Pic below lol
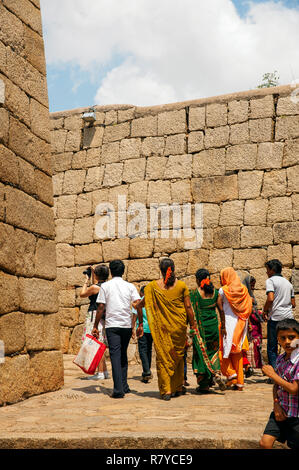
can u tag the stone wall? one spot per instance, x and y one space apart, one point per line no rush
29 323
237 154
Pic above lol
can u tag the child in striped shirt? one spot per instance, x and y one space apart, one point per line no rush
283 424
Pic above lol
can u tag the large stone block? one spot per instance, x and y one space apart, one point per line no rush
12 31
64 230
74 181
7 248
197 118
52 331
280 210
34 332
130 148
66 206
76 339
65 255
138 192
209 163
116 132
145 126
287 127
62 161
40 122
261 130
197 259
46 371
125 115
83 230
296 255
118 197
256 212
195 141
14 379
24 247
17 101
113 174
239 133
172 122
220 259
165 245
117 249
45 259
88 254
256 236
232 213
93 137
293 179
84 205
25 212
295 204
27 179
275 183
283 252
12 332
134 170
181 263
181 192
98 197
65 334
73 122
44 187
237 111
153 146
79 160
67 297
249 258
69 316
38 295
226 237
178 166
241 157
286 106
262 107
286 232
269 155
143 270
215 189
250 184
94 178
216 114
110 152
211 214
4 129
217 137
93 157
159 192
141 248
175 144
155 168
260 276
291 153
27 13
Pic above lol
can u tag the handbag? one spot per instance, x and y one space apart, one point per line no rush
90 354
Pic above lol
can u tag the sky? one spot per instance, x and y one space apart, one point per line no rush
150 52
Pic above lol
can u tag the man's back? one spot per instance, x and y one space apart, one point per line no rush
118 295
283 291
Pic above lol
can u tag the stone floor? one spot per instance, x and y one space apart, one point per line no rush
82 415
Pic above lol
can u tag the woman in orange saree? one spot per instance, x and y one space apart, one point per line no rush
168 308
237 307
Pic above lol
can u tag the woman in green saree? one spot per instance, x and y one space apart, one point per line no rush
205 361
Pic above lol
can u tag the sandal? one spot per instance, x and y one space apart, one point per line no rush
166 397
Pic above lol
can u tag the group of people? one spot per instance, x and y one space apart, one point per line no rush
222 348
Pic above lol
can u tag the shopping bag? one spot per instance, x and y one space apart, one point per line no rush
90 354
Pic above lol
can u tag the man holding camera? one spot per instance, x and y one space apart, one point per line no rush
115 298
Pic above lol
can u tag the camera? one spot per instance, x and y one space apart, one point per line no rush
87 271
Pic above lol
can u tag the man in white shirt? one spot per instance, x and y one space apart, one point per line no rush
279 305
115 298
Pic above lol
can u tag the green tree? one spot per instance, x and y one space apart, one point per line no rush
269 79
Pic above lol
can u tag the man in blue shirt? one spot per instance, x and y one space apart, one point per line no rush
144 343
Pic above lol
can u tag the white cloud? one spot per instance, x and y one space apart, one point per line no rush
171 50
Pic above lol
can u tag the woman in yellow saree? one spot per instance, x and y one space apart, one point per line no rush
168 309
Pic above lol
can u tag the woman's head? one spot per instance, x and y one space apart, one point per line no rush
101 272
167 270
227 276
203 281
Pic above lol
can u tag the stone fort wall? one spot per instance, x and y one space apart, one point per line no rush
236 154
29 322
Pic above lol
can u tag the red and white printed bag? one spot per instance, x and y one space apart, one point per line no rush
90 354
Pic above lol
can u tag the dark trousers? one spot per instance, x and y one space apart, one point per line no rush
272 344
145 344
185 364
118 342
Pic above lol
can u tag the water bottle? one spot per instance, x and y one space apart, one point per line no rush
2 359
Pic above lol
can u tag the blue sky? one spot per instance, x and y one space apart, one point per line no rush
148 52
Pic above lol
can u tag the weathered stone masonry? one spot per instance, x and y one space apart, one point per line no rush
237 154
29 323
